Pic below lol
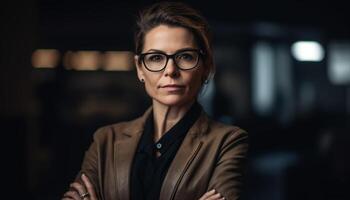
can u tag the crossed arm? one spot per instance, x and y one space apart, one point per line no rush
86 191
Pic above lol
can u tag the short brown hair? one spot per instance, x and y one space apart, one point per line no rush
176 14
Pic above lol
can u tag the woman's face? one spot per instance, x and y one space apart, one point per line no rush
171 86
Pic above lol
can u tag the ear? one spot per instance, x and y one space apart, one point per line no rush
139 69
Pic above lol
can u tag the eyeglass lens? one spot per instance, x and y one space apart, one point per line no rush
184 60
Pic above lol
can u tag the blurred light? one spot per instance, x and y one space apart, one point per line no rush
45 58
118 61
308 51
339 63
82 60
263 77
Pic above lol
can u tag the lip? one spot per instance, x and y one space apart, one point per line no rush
172 87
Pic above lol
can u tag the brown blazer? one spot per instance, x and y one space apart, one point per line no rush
211 156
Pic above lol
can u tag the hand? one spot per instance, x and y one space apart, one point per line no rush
212 195
80 190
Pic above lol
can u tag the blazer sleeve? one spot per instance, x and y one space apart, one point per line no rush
227 176
91 165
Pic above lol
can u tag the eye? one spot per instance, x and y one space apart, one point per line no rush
155 58
186 56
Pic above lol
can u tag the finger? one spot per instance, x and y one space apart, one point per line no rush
89 186
72 195
214 197
79 187
208 194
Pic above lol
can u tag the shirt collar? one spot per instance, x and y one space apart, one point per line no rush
177 132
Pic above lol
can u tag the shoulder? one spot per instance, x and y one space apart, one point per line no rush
223 127
227 141
225 132
116 130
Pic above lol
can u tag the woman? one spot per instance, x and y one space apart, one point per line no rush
174 151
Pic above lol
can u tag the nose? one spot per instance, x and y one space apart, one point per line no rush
171 69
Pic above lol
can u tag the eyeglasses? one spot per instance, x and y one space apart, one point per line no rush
184 59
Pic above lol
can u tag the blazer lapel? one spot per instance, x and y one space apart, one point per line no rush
125 148
183 159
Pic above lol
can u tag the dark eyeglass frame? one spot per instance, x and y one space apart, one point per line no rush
172 56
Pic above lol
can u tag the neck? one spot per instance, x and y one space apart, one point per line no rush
165 117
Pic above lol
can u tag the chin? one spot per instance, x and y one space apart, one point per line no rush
173 100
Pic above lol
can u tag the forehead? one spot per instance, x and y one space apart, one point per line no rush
168 39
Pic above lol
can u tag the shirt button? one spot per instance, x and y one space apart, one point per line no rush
159 145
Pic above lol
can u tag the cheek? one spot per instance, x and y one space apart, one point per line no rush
195 82
151 83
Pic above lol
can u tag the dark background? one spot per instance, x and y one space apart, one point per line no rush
298 144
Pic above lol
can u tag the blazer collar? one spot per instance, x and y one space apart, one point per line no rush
136 126
126 146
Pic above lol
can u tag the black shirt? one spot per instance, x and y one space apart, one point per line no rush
148 170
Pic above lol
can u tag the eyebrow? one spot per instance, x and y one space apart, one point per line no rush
160 51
